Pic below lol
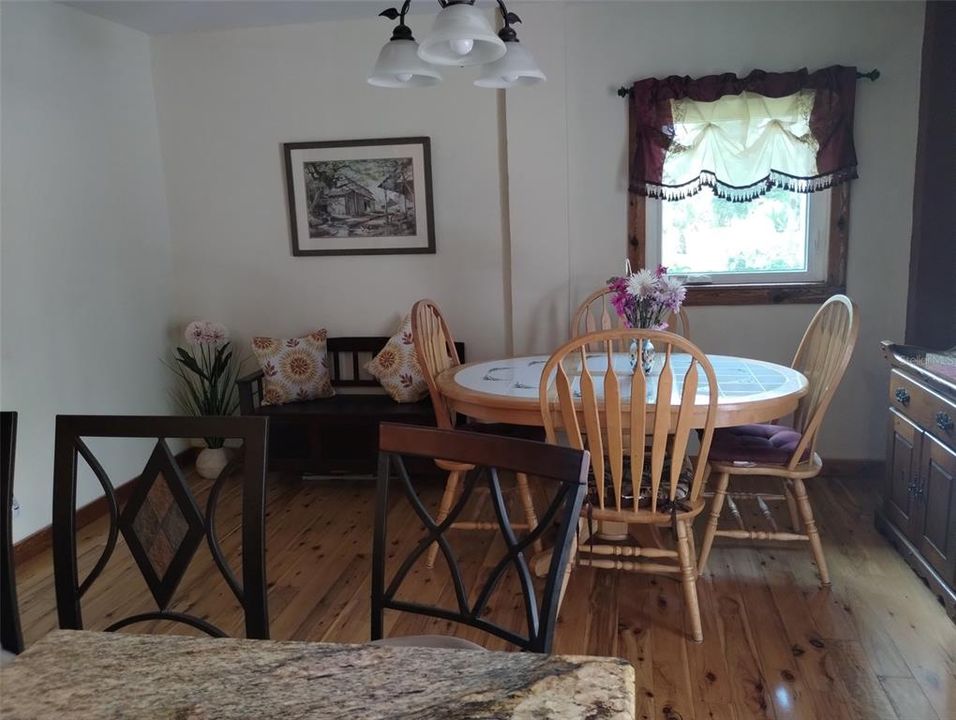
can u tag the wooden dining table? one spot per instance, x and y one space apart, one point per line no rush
506 391
81 674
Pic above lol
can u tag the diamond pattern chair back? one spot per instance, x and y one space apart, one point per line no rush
162 522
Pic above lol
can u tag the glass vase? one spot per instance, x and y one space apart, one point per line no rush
647 355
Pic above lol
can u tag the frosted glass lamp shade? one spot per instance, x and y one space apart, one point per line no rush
517 67
461 36
398 66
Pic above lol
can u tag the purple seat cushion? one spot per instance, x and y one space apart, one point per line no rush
761 444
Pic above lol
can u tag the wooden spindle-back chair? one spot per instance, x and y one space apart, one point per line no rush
436 353
822 356
597 313
638 439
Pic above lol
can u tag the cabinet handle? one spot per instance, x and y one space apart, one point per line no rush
902 396
944 422
916 489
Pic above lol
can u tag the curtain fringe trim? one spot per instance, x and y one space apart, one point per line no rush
746 193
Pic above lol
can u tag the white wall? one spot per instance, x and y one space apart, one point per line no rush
227 101
84 285
569 233
96 276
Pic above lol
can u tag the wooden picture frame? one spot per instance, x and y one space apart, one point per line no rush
360 197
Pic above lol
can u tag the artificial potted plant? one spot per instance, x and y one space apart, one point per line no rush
207 370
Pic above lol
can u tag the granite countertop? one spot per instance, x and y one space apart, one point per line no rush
80 674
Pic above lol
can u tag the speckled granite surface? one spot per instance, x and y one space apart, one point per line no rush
110 675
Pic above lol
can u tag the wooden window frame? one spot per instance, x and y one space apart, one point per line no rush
758 293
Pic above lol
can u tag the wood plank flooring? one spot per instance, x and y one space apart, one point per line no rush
876 645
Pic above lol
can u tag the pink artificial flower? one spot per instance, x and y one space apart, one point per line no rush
195 332
215 334
661 271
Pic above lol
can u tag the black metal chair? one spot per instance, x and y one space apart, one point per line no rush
11 639
161 522
563 469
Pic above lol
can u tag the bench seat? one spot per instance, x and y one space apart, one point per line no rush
336 435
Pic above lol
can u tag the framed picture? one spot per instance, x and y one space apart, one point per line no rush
360 197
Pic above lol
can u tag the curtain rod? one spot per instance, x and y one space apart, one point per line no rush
624 90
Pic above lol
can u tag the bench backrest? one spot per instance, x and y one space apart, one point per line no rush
349 355
347 359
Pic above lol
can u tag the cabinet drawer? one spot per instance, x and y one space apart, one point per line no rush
931 411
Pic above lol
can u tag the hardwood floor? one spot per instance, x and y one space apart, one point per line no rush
875 645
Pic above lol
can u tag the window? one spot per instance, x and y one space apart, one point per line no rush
781 237
778 147
785 247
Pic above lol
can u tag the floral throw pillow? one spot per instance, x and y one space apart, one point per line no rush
397 369
294 369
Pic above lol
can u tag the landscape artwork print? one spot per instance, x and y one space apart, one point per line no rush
360 197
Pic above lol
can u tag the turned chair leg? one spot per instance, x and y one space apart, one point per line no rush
792 505
720 494
692 544
688 579
806 513
451 487
524 493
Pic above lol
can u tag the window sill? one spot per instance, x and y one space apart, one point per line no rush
761 293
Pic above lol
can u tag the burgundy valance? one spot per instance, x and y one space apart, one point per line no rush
742 136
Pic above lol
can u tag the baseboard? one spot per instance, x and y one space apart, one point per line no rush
42 540
852 468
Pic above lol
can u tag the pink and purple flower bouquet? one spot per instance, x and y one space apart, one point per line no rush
646 299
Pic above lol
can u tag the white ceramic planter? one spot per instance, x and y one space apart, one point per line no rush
211 461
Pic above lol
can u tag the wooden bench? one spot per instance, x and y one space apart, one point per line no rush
336 435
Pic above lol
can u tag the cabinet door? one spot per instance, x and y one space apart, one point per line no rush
937 495
901 463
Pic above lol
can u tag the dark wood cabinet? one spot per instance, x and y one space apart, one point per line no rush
935 528
902 458
918 513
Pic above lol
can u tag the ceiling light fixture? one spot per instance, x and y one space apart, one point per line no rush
516 66
398 64
461 36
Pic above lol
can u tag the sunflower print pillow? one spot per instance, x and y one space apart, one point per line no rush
295 369
396 367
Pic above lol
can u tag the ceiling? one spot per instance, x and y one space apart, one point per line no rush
170 16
